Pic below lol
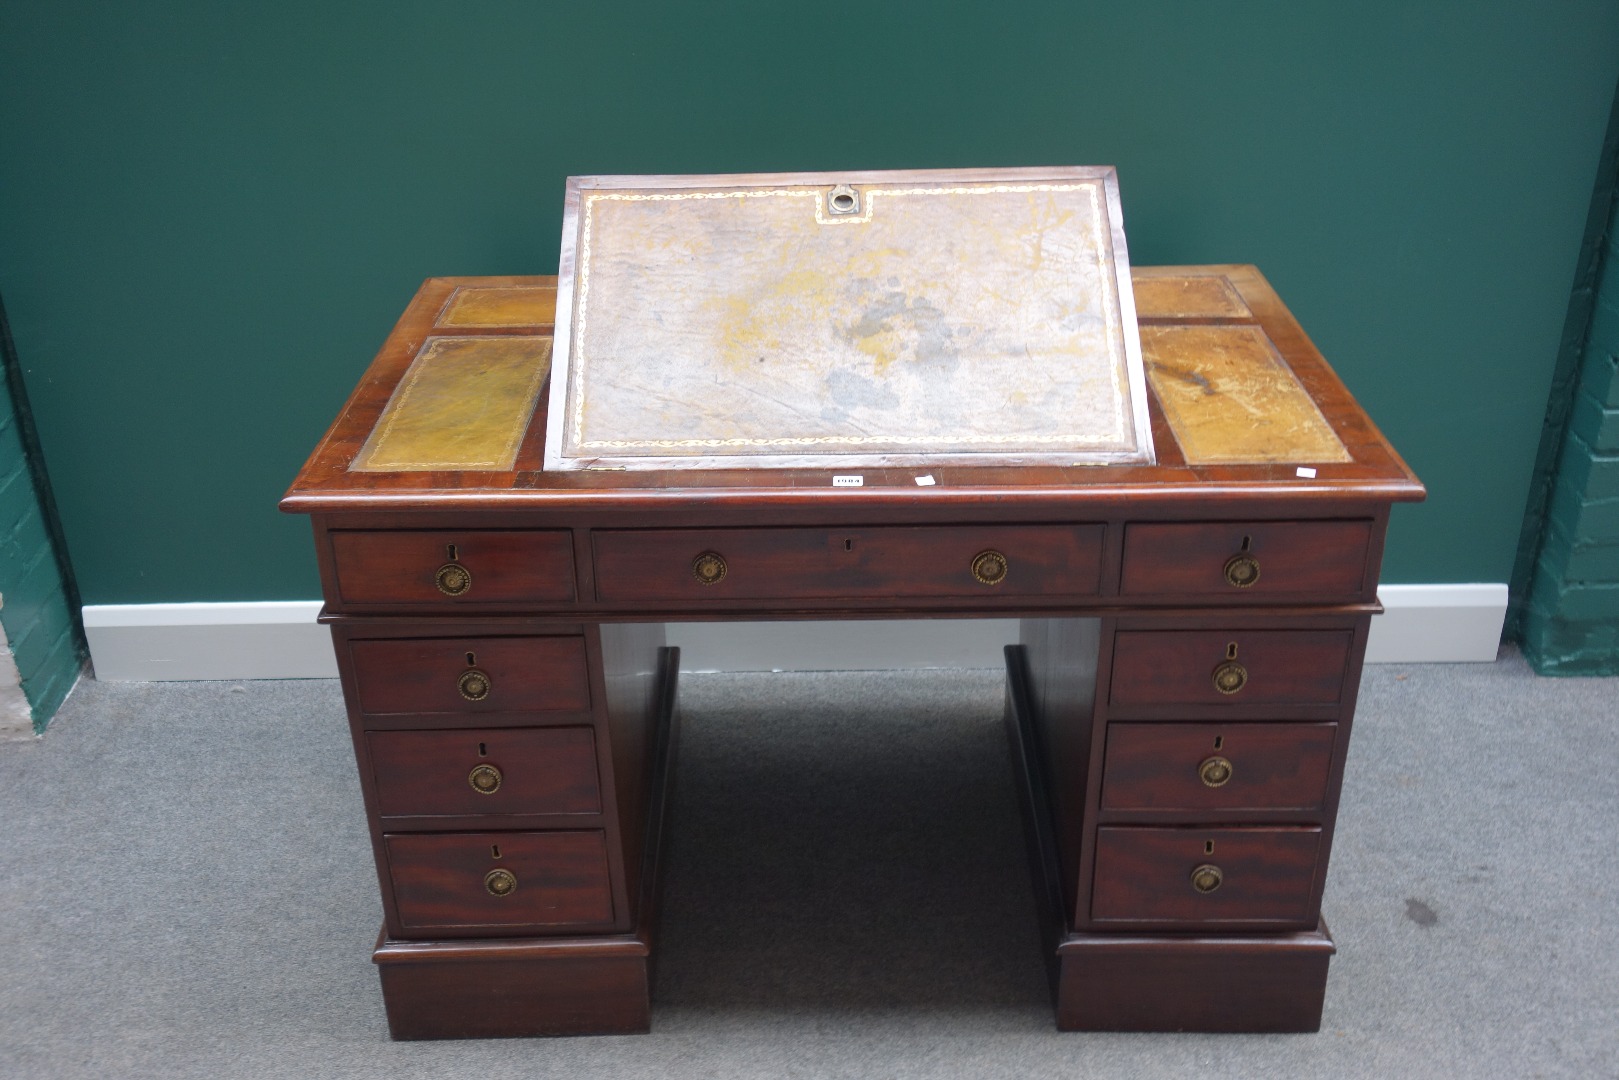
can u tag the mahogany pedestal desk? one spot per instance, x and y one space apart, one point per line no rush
1179 704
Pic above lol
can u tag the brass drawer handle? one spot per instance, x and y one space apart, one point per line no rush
1205 879
709 567
485 779
453 579
1241 571
989 567
473 684
1214 772
1230 677
500 882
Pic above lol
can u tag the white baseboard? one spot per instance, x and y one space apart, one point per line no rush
1438 624
1424 624
276 639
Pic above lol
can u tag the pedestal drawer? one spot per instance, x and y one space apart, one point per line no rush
1217 766
1245 875
443 882
1246 560
1229 667
511 771
462 567
470 675
968 561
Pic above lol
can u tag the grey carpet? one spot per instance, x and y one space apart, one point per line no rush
187 892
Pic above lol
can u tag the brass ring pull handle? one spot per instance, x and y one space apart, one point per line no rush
453 579
1205 879
1214 772
485 779
1230 677
473 684
500 882
1241 571
709 568
989 567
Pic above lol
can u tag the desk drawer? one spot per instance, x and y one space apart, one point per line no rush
1246 560
1202 767
1251 874
470 675
453 568
443 882
1230 667
485 771
969 561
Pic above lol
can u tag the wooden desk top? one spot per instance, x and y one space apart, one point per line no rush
1240 401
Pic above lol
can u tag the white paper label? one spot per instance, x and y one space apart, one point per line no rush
924 481
848 481
1307 472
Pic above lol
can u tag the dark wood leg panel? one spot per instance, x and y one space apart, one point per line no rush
1275 982
514 987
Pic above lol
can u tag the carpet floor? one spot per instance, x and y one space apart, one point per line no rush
186 890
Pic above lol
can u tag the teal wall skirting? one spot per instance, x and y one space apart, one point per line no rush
210 214
38 607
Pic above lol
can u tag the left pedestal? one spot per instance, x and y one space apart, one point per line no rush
516 778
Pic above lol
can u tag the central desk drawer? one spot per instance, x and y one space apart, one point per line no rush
470 675
446 881
969 561
485 771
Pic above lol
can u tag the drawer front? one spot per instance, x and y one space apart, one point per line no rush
1229 667
448 881
1257 875
440 675
862 564
1246 560
493 771
453 568
1217 766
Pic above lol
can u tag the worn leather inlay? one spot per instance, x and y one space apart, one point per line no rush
464 403
1189 298
473 307
1230 398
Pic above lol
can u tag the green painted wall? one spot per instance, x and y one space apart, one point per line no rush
211 213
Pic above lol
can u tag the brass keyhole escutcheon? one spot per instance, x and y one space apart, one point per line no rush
453 579
473 684
485 779
1230 677
1214 772
1207 878
500 882
1241 571
989 567
709 568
